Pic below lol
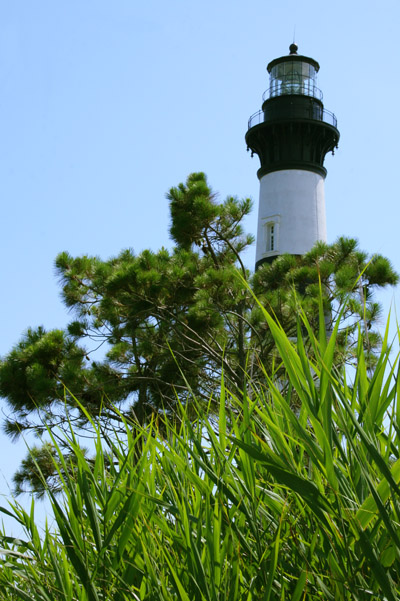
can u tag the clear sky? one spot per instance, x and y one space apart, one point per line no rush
105 105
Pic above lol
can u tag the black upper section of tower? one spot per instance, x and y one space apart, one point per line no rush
292 130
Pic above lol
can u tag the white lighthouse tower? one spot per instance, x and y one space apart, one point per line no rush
291 135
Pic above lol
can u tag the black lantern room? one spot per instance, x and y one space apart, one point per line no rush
292 130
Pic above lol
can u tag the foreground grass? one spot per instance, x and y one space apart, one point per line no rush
264 502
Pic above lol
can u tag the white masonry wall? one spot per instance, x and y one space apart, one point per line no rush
291 214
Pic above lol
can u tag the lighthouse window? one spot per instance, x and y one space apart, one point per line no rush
271 236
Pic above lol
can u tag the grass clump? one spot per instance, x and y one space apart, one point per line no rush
291 492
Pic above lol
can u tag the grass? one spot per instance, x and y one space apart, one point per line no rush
263 502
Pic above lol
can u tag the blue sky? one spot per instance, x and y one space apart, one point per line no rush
105 105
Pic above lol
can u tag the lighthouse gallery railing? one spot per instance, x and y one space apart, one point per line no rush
299 113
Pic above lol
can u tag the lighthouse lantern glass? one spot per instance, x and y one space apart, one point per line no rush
293 77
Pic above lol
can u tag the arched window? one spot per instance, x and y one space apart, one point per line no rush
271 225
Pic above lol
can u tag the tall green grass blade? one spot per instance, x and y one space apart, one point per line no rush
222 414
181 593
274 554
368 509
300 587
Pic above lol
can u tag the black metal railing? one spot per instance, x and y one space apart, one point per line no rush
314 114
290 88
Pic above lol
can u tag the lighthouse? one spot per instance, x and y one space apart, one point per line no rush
291 134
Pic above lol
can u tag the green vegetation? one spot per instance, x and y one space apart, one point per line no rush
259 502
169 322
246 426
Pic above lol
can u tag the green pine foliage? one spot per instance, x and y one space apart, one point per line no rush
151 330
257 502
